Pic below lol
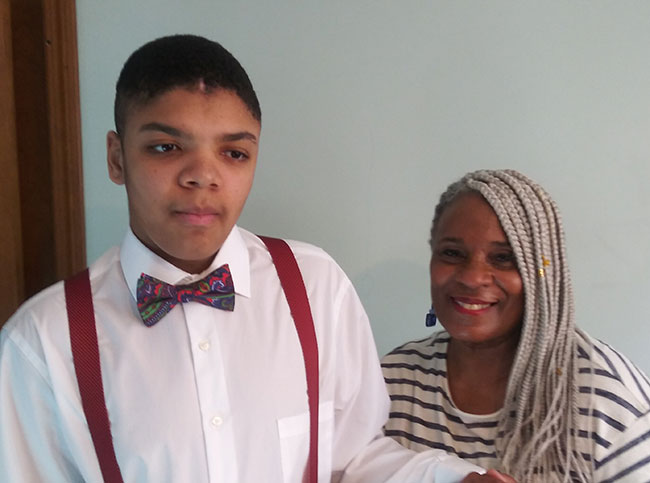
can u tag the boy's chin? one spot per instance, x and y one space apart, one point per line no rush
191 260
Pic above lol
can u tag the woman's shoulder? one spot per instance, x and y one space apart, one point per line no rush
420 364
616 382
434 346
614 411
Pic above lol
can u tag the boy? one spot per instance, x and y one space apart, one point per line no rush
195 393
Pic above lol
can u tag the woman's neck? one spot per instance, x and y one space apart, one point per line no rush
477 374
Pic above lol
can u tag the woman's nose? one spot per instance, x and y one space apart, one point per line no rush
474 273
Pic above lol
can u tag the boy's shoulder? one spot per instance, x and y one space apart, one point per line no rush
309 257
299 248
47 307
320 272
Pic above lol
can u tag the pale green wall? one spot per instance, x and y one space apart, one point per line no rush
370 108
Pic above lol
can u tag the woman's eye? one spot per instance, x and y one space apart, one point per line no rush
450 253
505 259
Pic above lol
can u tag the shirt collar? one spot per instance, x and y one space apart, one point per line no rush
137 259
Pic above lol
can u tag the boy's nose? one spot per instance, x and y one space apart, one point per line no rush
201 171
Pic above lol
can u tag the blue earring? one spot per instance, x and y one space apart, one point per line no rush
430 319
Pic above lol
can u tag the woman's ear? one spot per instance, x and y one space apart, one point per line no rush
115 157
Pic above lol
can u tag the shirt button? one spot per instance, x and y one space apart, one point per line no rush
204 345
216 421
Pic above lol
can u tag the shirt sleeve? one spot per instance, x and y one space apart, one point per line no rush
627 459
31 444
361 453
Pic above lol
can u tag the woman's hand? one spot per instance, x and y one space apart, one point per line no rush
491 476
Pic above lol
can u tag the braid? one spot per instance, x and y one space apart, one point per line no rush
534 435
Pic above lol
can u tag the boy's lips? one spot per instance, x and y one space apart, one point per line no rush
197 216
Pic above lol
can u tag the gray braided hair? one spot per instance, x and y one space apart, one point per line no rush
535 431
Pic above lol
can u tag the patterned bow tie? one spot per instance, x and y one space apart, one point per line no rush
156 298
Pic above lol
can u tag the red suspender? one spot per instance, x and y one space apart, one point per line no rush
294 289
85 354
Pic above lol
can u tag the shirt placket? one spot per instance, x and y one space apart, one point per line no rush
212 392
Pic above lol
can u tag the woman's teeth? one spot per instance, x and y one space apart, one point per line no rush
472 306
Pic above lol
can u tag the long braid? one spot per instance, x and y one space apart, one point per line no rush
534 435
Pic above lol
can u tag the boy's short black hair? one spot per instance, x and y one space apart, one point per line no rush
180 61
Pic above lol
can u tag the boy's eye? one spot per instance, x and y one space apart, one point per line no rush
163 148
236 155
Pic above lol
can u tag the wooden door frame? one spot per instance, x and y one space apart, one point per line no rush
38 57
11 257
62 66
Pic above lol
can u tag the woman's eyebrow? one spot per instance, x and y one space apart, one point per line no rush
451 239
501 244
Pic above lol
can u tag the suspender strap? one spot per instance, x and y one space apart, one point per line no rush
85 354
294 289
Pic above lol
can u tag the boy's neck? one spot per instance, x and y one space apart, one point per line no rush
193 267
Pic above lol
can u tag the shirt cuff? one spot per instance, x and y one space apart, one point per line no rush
451 469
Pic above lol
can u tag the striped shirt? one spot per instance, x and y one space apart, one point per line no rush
615 435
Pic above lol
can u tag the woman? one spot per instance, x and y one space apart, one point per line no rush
511 382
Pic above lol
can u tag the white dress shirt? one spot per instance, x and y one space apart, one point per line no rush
205 395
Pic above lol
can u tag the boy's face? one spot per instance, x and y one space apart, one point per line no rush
187 159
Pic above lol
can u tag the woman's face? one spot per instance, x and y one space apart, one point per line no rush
476 289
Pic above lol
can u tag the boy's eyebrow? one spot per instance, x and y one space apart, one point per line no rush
238 136
172 131
156 126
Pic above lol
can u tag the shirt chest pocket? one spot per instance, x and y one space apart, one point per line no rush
294 443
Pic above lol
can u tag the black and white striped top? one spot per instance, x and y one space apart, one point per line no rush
616 436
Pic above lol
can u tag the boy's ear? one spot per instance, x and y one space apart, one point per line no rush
115 157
